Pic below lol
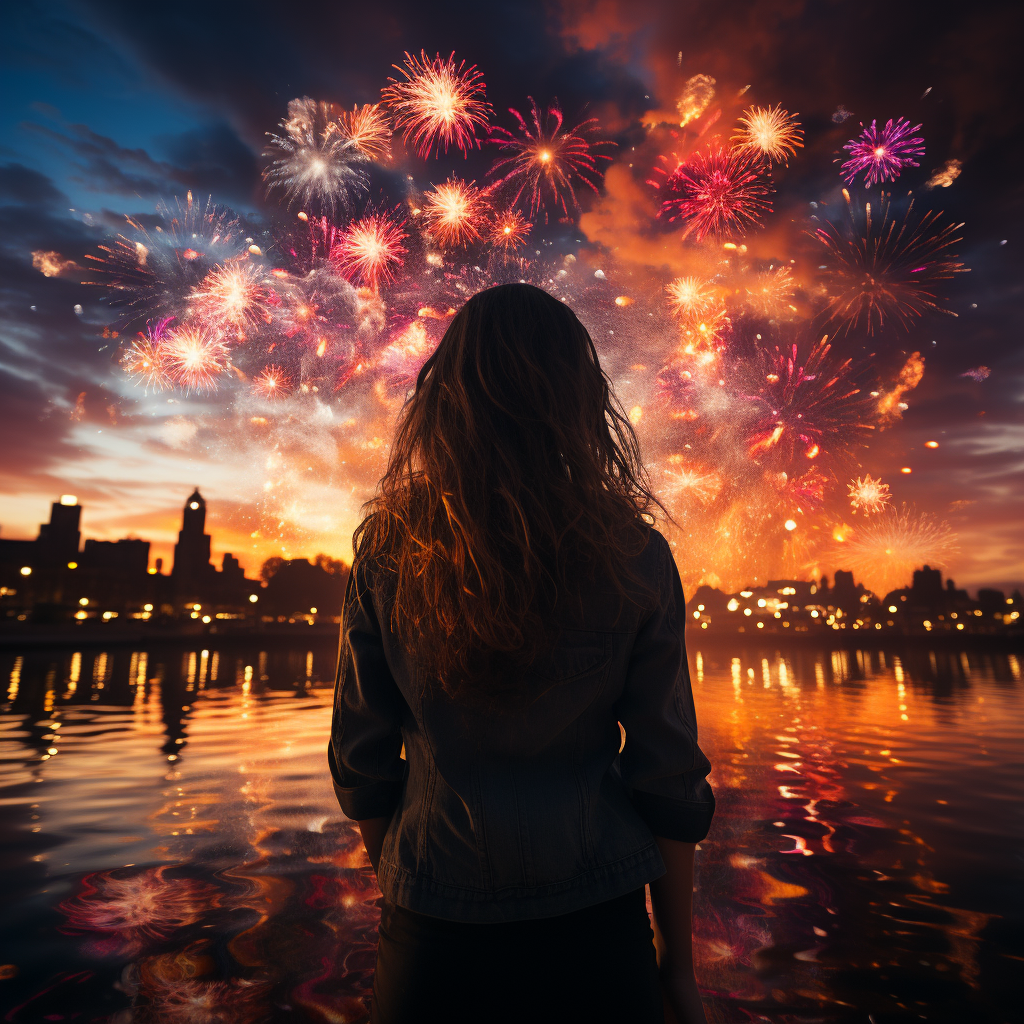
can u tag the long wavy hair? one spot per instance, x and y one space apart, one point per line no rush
513 476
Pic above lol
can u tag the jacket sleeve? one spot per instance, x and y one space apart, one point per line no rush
663 768
366 736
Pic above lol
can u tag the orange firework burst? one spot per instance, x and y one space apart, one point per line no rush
771 293
438 103
509 231
885 551
868 494
272 382
370 250
233 294
194 357
706 329
689 296
769 132
454 212
367 128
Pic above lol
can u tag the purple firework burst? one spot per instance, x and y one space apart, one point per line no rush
881 153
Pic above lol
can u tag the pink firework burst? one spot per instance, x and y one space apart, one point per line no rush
717 192
144 358
881 153
370 250
546 162
195 357
438 103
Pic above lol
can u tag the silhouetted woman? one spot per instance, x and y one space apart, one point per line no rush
509 605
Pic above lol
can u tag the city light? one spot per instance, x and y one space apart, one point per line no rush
26 570
253 598
193 505
68 499
83 601
147 607
72 565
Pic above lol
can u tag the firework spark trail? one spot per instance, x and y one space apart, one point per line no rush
716 192
885 267
771 293
882 153
437 103
315 160
546 163
144 360
370 250
689 296
455 211
769 132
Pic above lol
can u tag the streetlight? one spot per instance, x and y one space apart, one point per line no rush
26 570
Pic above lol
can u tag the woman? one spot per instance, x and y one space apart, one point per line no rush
509 605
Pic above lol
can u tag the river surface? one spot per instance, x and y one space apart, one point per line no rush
172 850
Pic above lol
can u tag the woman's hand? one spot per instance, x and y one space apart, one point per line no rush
373 831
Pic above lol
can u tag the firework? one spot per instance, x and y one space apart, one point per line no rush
143 360
368 129
544 163
805 404
271 382
771 293
868 494
232 295
945 175
438 103
683 483
884 552
977 374
314 159
881 153
370 250
143 908
690 296
150 271
50 263
890 403
886 267
509 231
454 213
697 93
706 329
716 192
769 132
194 357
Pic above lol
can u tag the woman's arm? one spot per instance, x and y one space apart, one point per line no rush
373 831
672 900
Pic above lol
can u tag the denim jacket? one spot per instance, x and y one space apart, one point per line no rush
500 817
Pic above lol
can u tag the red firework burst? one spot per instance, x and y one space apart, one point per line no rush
370 250
716 192
438 103
545 162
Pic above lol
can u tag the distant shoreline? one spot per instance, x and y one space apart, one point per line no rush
287 634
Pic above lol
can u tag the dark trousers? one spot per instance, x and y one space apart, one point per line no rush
596 965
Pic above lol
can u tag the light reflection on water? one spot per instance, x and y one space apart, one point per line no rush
173 850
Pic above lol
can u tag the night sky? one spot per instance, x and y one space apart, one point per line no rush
111 107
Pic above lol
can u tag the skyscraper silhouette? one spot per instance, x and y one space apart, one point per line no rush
192 570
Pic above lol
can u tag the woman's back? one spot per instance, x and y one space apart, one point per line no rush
526 812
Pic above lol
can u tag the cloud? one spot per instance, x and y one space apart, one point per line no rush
28 187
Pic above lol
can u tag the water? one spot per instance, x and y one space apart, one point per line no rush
172 850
